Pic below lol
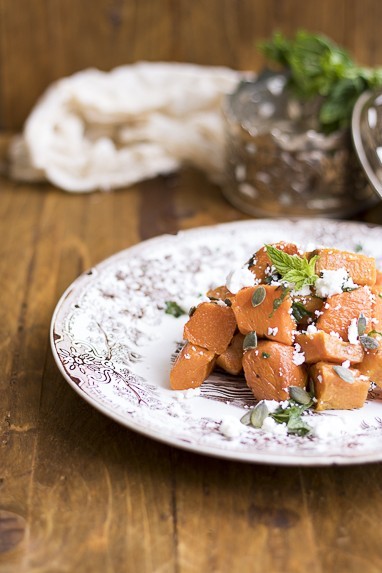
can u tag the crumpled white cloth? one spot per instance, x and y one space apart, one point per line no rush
103 130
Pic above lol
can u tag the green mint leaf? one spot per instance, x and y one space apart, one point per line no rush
299 311
278 301
292 268
174 309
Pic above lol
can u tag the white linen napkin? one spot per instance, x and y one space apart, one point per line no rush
103 130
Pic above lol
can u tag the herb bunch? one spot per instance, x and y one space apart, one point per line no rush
319 67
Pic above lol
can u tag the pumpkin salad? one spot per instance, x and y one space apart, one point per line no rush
304 327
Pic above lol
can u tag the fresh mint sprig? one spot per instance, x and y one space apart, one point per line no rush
319 67
292 268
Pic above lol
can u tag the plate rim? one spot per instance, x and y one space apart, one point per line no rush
203 449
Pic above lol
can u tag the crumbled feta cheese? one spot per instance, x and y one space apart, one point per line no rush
346 364
304 291
271 405
220 302
335 334
269 425
272 331
240 278
333 282
231 427
298 357
327 427
187 356
353 331
187 394
311 329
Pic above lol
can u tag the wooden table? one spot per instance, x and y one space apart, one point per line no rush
79 493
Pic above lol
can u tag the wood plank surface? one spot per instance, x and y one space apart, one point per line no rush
80 493
43 40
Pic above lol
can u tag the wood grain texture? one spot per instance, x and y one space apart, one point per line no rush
77 491
84 494
43 40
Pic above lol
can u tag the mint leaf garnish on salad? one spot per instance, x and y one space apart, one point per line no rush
174 309
292 268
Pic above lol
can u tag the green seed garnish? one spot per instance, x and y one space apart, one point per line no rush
250 341
258 296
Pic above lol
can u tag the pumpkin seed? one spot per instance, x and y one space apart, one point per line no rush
299 395
344 373
258 414
368 342
250 341
258 296
246 419
361 325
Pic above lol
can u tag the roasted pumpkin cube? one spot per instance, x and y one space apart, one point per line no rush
211 326
322 347
231 359
332 392
312 304
220 293
269 370
341 309
270 319
371 365
361 268
192 366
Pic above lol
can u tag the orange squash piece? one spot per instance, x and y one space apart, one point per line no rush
361 268
231 359
341 309
192 366
371 365
276 325
269 370
378 280
333 393
261 261
220 292
211 326
322 347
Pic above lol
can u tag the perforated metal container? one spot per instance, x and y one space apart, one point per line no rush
279 164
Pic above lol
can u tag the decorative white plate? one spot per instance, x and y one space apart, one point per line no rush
114 344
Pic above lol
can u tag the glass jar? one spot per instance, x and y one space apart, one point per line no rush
278 163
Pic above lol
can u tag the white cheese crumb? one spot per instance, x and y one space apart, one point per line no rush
335 334
269 425
327 427
187 394
240 278
298 357
333 282
304 291
272 331
319 378
271 405
187 356
231 427
353 331
312 328
346 364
